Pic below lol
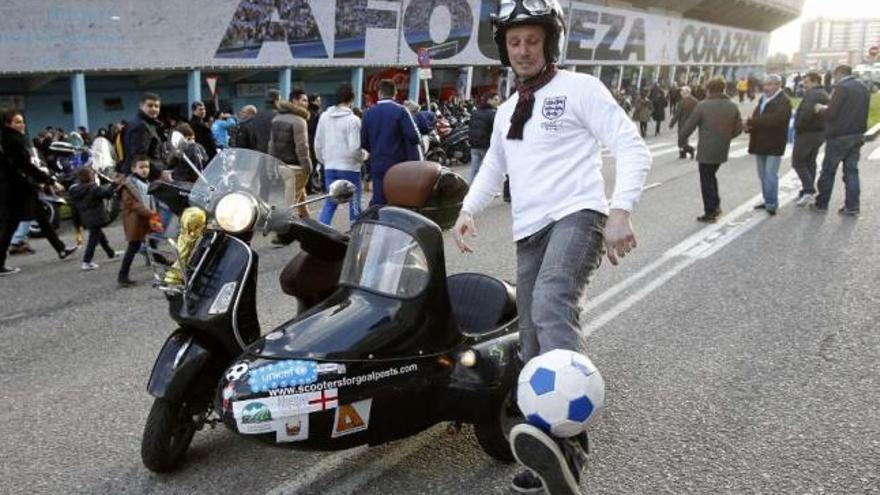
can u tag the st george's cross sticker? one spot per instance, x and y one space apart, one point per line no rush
352 418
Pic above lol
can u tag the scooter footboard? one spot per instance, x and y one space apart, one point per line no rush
178 365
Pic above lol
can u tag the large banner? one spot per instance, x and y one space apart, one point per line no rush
49 35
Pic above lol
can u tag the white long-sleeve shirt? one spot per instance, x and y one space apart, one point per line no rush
338 139
556 169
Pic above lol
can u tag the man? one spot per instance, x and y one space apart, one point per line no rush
145 136
480 129
338 147
846 120
244 138
260 129
221 128
548 138
204 136
768 132
809 129
719 122
389 135
289 142
314 108
682 113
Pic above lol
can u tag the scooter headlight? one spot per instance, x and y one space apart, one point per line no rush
236 212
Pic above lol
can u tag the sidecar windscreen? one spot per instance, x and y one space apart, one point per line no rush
385 260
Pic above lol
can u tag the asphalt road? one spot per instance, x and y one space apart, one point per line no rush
739 358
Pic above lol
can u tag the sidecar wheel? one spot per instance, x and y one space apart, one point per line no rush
493 435
167 435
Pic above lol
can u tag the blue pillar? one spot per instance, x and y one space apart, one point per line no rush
414 84
357 84
193 89
78 97
284 78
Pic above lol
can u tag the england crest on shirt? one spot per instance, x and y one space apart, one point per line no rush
554 107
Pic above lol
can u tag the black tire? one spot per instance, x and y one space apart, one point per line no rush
167 435
436 155
54 214
493 435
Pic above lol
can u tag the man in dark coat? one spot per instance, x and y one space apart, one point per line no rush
390 135
719 121
20 180
204 136
314 108
846 121
809 135
145 136
658 99
682 112
255 136
768 133
480 129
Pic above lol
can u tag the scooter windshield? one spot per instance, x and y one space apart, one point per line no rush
234 170
385 260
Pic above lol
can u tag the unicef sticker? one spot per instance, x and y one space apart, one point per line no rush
282 374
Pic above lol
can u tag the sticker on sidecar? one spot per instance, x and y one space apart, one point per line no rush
295 429
348 381
250 413
283 374
255 417
352 418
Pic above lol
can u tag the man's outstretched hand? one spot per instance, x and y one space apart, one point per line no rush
463 227
619 236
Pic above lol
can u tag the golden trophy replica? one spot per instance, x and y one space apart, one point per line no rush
192 224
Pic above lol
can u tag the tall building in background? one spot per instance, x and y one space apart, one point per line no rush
826 43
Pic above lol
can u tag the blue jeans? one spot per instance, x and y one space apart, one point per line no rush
477 157
553 267
768 173
354 207
841 149
21 233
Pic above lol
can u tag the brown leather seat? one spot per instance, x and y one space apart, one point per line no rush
410 184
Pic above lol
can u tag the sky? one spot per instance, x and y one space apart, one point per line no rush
787 39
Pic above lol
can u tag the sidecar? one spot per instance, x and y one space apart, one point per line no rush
396 349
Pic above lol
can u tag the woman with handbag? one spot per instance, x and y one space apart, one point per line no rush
138 218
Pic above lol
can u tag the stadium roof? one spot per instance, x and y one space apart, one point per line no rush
759 15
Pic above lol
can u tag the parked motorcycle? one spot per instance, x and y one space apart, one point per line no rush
385 350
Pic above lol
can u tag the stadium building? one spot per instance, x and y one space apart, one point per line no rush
69 64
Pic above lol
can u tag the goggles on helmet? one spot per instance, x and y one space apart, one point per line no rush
509 9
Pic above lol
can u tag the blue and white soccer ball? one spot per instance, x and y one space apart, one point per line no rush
561 392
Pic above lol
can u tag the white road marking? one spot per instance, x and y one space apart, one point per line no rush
700 245
652 186
875 155
739 153
307 477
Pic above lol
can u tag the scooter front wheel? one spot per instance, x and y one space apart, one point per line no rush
167 435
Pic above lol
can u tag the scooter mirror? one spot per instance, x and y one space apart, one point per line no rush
62 147
177 140
341 191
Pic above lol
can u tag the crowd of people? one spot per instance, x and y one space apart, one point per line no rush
360 148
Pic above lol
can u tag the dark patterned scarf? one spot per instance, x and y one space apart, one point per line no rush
524 106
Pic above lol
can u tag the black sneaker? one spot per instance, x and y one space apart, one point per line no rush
64 253
707 218
848 212
771 212
818 207
527 482
541 454
761 206
126 282
8 270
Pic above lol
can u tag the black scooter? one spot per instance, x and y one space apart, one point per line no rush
385 345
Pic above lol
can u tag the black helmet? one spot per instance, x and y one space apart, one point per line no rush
546 13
